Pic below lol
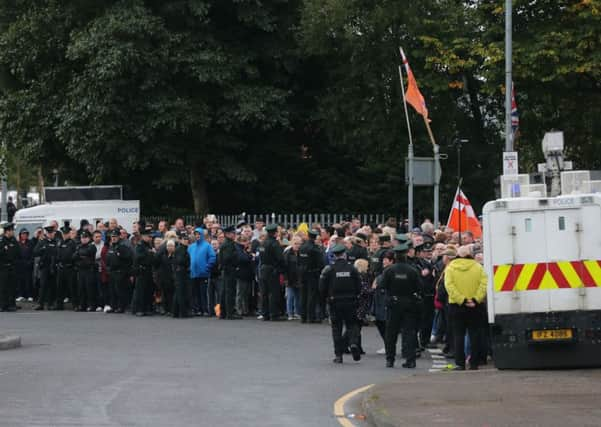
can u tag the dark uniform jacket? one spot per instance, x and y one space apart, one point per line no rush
228 256
10 253
428 282
340 282
119 258
401 282
273 255
46 250
65 251
311 257
143 258
355 253
85 256
375 261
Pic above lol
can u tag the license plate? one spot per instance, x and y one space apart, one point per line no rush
552 334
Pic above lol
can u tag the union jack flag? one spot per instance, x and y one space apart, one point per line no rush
515 117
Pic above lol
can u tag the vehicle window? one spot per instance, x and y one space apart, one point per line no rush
562 223
528 225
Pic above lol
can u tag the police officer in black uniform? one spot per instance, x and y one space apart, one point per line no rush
357 250
272 264
228 260
46 250
375 261
65 271
401 282
428 282
119 260
181 273
340 284
312 261
144 287
9 256
85 261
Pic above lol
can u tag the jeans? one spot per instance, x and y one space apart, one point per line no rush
200 294
293 301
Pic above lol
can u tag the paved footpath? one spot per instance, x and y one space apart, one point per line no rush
93 369
487 398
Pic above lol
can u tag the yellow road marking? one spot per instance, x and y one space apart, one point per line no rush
339 405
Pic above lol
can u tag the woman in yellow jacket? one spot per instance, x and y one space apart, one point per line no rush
465 282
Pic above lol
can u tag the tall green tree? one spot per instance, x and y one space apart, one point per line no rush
182 91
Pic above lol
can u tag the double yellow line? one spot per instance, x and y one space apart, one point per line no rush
339 405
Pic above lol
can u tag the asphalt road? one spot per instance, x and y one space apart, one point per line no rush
93 369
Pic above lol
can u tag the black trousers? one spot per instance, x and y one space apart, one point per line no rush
450 337
142 301
468 320
119 283
65 276
213 294
87 288
309 296
270 292
167 294
427 319
402 316
343 315
229 293
8 285
47 286
179 306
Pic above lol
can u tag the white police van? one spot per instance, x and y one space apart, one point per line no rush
542 254
126 212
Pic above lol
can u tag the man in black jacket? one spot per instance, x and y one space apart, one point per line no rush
25 266
228 260
181 267
312 261
143 261
9 256
85 261
340 284
46 250
402 284
272 264
119 260
65 279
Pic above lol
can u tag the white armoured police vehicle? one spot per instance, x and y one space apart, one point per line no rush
72 204
543 260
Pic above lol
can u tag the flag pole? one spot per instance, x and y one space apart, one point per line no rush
436 151
409 156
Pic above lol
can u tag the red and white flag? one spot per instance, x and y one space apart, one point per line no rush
467 219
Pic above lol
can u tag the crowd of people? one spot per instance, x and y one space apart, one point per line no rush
425 283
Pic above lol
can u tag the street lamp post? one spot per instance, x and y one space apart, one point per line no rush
458 144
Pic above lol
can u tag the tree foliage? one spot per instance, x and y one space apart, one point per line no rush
289 104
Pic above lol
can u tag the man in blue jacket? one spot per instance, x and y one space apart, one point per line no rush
202 259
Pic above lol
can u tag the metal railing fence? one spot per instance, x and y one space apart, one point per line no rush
285 220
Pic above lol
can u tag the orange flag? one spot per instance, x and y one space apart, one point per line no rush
413 96
469 220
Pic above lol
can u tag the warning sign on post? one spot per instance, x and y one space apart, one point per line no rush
510 163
